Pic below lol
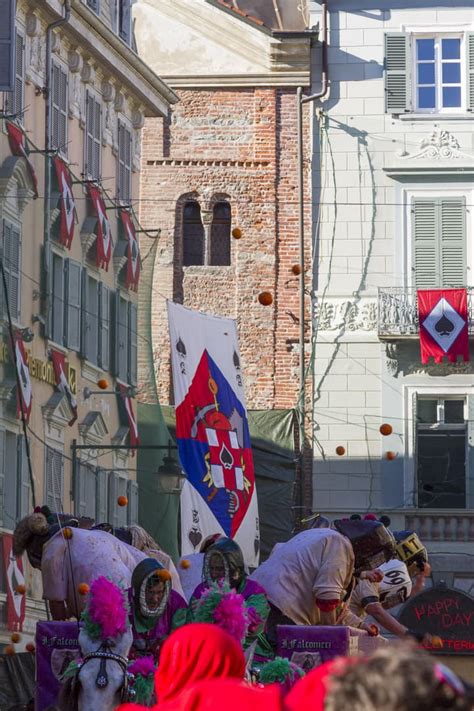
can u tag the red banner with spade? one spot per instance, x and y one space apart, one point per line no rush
67 205
13 567
104 235
19 147
443 322
133 252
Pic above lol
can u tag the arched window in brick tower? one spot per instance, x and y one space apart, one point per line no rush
219 252
193 235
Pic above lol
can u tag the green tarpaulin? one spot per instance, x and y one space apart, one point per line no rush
272 436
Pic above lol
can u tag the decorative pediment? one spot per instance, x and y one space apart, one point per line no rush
88 234
439 152
93 428
120 255
15 184
57 413
120 437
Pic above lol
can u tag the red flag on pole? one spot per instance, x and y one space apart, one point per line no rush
133 252
66 203
25 392
16 602
59 367
127 404
19 147
443 322
104 235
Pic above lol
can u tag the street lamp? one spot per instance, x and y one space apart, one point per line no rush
171 476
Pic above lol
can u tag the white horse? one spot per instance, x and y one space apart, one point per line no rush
101 682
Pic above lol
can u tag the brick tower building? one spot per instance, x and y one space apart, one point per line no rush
226 158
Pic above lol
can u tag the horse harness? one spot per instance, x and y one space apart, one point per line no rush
105 654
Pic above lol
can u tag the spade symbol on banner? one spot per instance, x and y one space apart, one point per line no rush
226 457
256 546
444 326
236 361
181 348
195 537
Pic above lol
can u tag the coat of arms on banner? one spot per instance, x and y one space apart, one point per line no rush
214 442
219 494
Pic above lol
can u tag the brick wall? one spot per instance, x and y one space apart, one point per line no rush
240 144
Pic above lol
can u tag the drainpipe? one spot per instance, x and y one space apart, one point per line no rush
300 100
47 147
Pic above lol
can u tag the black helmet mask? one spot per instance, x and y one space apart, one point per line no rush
371 542
224 561
144 577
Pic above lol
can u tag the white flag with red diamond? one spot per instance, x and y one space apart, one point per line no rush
443 323
212 432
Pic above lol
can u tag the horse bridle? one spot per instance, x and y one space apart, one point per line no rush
105 655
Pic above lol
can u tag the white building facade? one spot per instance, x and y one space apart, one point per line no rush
393 192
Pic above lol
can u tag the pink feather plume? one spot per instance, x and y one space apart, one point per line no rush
143 666
230 614
108 608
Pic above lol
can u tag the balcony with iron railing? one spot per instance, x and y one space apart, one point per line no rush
398 312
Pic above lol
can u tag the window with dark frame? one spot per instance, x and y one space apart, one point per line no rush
14 101
11 259
54 479
125 20
66 298
219 248
193 235
441 452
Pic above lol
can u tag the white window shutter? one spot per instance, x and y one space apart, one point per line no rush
426 254
24 507
452 219
133 344
19 92
397 72
58 299
132 503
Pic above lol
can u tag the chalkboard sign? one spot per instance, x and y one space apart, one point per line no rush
446 613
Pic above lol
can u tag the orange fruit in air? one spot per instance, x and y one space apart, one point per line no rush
122 501
67 533
20 589
15 637
30 647
184 564
163 574
83 588
340 451
10 650
386 429
236 233
296 269
265 298
436 642
391 455
102 384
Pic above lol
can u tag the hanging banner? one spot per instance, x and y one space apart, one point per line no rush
104 235
19 147
133 252
16 602
62 382
443 320
126 406
212 433
67 205
24 392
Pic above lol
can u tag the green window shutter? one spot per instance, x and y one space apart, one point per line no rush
426 255
132 508
397 72
121 337
101 496
80 502
54 479
73 305
2 476
10 491
18 101
7 46
452 217
113 516
11 265
104 327
90 319
470 70
133 344
58 299
24 507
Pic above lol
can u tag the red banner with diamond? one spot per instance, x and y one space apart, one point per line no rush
133 252
19 147
443 322
13 567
